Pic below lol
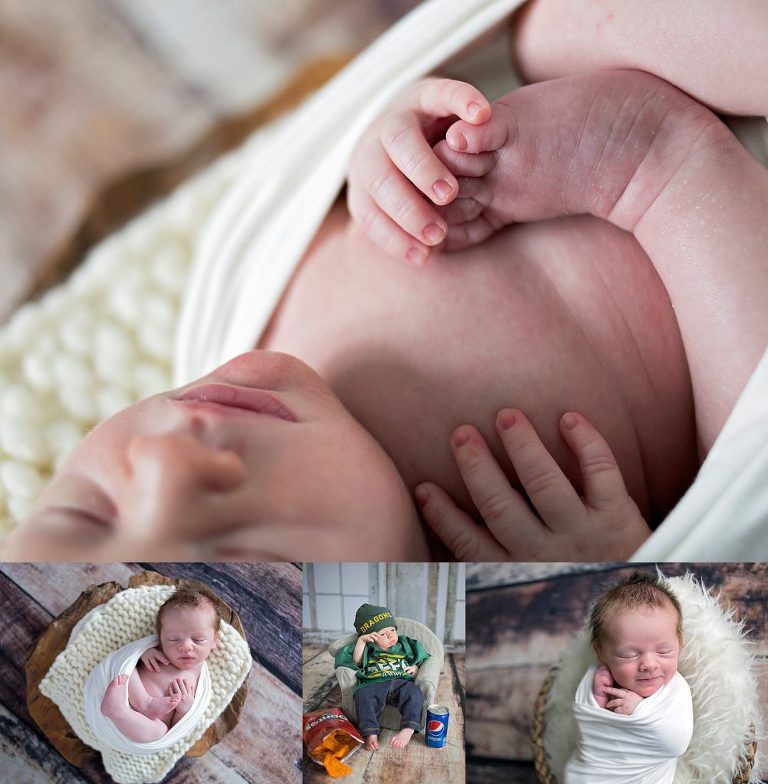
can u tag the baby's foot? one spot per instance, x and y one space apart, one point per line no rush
568 147
601 681
372 742
114 702
400 741
157 707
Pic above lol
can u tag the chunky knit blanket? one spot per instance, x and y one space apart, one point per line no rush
720 670
128 616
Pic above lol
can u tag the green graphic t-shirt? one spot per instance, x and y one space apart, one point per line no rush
378 664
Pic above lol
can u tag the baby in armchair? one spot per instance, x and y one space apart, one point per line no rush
633 710
386 666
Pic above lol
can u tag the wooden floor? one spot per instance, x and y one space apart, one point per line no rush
519 618
265 747
416 763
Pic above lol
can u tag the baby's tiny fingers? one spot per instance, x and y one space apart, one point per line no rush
467 540
604 486
464 235
545 484
467 138
462 211
383 231
501 506
444 97
464 164
402 138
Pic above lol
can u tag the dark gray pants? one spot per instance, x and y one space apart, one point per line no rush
405 695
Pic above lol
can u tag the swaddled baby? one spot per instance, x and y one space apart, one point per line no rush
633 710
161 689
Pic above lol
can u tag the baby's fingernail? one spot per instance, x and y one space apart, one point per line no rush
474 109
506 419
415 255
434 233
459 141
442 190
460 437
569 421
421 494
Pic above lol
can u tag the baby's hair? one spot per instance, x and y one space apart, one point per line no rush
640 589
188 598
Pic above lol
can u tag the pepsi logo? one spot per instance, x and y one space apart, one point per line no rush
435 726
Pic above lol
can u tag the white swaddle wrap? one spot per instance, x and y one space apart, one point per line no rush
641 748
123 662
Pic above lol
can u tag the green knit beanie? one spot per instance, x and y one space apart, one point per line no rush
370 619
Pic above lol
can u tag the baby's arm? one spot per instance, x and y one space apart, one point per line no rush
362 641
604 525
631 149
712 50
394 176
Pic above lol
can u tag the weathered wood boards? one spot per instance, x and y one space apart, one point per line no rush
417 762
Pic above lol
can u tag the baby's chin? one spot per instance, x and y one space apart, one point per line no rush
646 689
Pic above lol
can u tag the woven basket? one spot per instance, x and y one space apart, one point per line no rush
545 775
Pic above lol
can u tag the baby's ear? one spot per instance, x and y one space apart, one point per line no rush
598 653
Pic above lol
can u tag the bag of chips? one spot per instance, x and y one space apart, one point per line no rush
331 738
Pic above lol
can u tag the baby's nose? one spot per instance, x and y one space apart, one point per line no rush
648 662
172 477
180 457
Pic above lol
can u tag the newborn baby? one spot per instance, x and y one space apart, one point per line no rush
633 711
161 690
386 665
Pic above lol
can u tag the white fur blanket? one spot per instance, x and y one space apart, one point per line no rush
640 748
126 617
123 662
720 671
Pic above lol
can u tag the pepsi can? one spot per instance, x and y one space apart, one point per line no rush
437 726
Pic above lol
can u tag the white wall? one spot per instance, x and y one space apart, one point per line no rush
430 593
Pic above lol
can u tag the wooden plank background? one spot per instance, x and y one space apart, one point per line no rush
266 744
415 763
104 102
521 616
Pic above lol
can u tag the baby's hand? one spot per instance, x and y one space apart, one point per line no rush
185 691
601 681
153 658
412 669
394 164
603 525
624 701
372 637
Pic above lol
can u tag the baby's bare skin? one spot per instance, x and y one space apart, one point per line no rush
560 315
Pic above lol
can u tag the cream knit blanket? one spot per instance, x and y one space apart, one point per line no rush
125 618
